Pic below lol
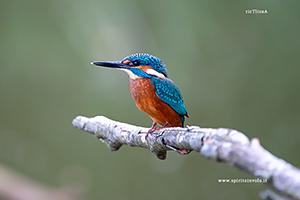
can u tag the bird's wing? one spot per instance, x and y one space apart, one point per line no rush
169 93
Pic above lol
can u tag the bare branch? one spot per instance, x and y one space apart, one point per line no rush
270 195
221 144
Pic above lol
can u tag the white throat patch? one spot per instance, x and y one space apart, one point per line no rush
148 71
130 73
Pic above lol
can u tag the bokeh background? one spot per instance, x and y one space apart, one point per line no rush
234 70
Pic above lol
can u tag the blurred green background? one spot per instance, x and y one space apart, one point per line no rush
234 70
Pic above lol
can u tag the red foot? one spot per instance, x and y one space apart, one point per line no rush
154 128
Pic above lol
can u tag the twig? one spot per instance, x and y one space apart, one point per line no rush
270 195
221 144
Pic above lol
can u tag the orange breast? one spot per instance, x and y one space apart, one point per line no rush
143 93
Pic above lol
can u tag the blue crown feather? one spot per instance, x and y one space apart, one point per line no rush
143 59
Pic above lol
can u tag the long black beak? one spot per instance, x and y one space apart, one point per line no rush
111 64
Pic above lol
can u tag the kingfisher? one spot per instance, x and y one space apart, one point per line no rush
153 92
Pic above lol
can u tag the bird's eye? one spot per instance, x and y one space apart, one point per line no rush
136 63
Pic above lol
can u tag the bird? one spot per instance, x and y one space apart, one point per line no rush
152 90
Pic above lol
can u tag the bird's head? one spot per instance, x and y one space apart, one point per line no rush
138 65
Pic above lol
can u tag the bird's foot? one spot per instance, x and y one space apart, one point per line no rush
154 128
